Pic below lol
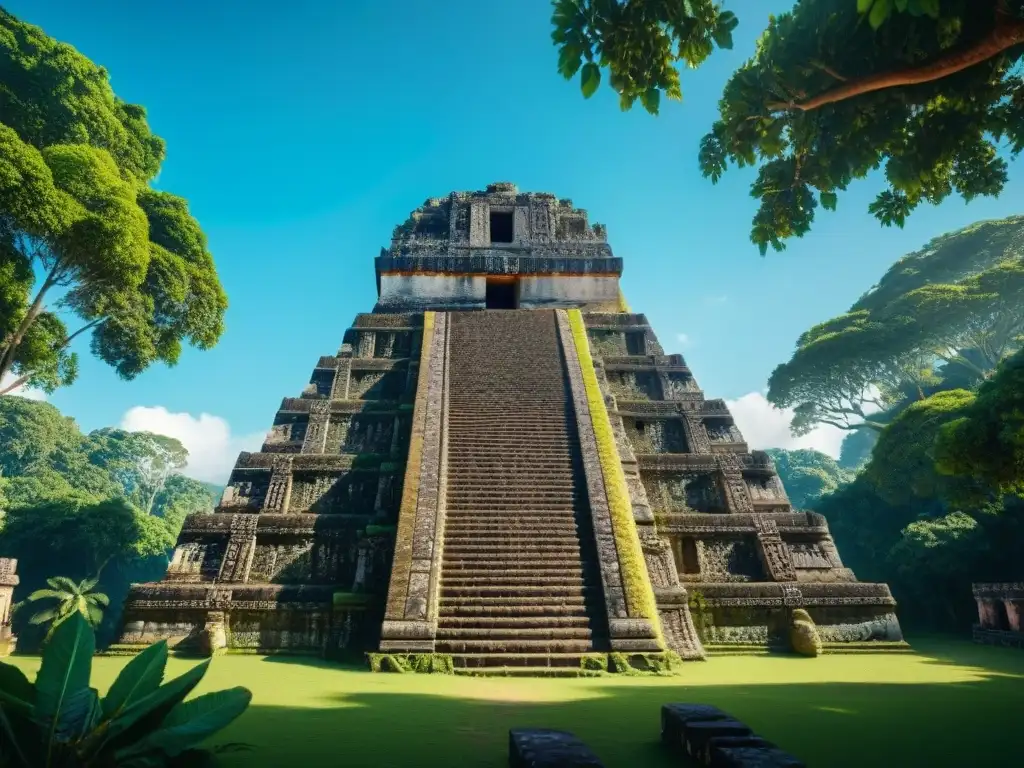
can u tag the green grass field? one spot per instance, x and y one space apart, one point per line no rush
949 704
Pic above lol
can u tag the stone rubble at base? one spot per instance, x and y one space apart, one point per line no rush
394 505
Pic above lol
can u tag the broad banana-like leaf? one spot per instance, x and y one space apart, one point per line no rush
15 685
11 732
147 713
190 723
62 684
140 677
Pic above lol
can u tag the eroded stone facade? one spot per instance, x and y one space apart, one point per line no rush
8 581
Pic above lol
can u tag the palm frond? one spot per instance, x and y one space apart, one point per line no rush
42 594
44 616
94 615
63 582
86 585
98 598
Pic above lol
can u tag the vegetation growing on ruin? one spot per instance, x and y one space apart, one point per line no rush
930 90
636 584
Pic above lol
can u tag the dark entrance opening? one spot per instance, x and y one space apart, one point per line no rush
690 561
501 226
501 294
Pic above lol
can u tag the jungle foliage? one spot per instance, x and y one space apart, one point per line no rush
929 90
940 318
60 721
104 505
83 235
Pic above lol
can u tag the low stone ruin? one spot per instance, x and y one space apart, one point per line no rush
8 581
1000 607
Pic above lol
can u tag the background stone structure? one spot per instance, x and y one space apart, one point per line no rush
8 581
335 528
1000 614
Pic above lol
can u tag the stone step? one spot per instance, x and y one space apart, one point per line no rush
483 608
510 591
569 542
513 622
518 660
514 634
567 671
545 645
498 549
566 578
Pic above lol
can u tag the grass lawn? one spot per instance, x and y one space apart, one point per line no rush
949 704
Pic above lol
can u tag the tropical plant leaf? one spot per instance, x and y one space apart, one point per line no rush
147 713
11 753
42 594
94 615
100 598
191 722
140 677
63 679
590 78
15 685
63 584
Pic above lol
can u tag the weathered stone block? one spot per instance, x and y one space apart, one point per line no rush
724 755
676 717
698 734
543 748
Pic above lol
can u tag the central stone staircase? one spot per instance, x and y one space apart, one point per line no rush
520 587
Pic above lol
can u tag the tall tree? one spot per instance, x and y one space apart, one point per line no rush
929 89
930 320
141 462
82 234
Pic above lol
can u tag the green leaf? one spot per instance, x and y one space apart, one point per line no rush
829 200
11 752
191 722
569 60
863 6
879 13
651 99
148 712
590 78
14 684
140 677
62 684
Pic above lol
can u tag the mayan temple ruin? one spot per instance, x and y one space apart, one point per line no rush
501 465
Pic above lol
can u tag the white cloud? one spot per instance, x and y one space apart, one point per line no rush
765 426
23 391
684 339
212 448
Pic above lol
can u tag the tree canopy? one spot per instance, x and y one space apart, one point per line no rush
949 312
82 234
986 441
808 475
929 90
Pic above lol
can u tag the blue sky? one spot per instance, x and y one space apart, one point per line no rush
301 133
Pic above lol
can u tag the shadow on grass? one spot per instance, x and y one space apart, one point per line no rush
829 725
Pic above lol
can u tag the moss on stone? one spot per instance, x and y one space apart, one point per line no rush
350 599
803 635
417 663
634 664
623 305
636 583
594 662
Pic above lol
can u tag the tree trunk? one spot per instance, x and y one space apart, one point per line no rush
7 354
1006 33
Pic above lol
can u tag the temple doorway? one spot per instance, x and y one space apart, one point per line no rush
502 293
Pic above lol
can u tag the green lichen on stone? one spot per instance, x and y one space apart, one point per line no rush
350 599
803 635
594 662
417 663
645 664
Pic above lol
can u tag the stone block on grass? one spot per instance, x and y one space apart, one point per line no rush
544 748
751 756
675 717
698 734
